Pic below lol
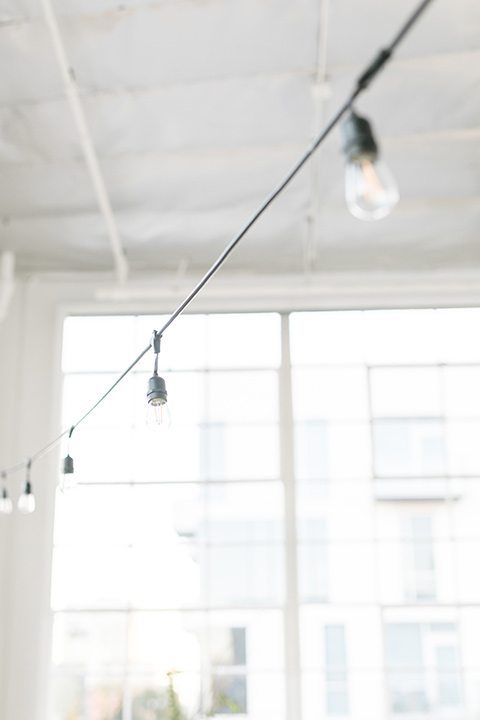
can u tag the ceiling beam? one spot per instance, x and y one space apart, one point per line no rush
91 158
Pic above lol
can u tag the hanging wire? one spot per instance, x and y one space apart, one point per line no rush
362 83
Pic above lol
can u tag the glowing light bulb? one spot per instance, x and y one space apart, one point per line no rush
26 501
6 505
370 189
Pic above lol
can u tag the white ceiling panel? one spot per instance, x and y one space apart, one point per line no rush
356 30
167 43
197 109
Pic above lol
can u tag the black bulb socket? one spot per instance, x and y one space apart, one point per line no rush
357 140
68 465
156 390
28 488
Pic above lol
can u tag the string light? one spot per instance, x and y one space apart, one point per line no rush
68 480
26 501
6 505
158 413
370 189
156 392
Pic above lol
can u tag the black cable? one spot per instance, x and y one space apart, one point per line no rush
362 83
130 367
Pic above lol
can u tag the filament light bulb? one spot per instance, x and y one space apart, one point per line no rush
6 505
26 501
370 189
158 413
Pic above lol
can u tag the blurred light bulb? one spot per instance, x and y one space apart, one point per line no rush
68 481
6 505
158 415
370 189
26 501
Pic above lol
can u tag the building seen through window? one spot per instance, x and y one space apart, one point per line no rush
188 584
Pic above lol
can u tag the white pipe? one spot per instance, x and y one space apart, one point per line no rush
7 282
321 90
71 89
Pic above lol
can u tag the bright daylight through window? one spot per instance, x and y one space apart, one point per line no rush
349 437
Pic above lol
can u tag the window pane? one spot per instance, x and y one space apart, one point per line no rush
112 338
335 656
166 576
67 697
457 341
164 695
253 340
394 337
242 397
246 513
90 577
104 510
462 392
405 660
104 698
326 337
236 452
321 450
102 456
408 447
312 571
463 448
246 575
230 694
244 637
330 394
162 641
405 392
82 391
83 639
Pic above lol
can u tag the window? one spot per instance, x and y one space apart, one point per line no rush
305 531
229 683
423 667
168 580
336 676
419 559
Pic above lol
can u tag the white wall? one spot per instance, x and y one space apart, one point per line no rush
29 355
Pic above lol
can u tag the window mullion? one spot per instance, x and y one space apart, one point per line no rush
287 469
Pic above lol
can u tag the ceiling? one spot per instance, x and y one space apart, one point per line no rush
197 108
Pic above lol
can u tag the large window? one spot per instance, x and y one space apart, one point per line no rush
319 489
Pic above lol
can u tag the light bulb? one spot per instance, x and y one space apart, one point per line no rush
26 501
158 415
68 481
6 505
370 189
